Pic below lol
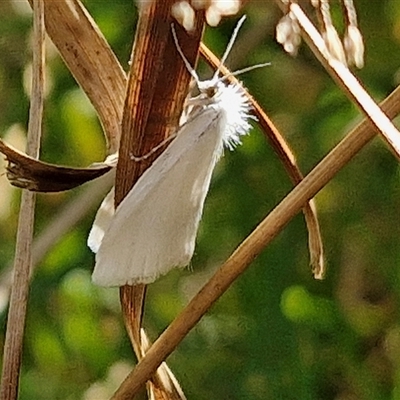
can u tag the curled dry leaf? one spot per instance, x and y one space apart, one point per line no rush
26 172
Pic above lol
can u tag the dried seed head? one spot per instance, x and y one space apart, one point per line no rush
219 8
353 41
354 46
183 11
349 52
288 34
334 44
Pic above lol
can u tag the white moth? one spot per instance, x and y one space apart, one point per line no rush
153 230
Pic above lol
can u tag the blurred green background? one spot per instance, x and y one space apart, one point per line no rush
277 333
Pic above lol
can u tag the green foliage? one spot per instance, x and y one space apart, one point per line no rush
277 333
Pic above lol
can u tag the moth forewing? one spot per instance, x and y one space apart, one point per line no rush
154 228
102 222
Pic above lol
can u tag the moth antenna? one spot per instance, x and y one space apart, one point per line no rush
184 59
243 70
230 45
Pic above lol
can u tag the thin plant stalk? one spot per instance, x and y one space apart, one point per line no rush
344 77
23 254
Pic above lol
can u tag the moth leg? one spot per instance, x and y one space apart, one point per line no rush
153 150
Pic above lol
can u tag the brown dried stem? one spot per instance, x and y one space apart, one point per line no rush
285 154
157 87
23 252
91 60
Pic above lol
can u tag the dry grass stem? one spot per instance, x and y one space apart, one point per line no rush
63 221
23 253
251 248
346 79
285 154
91 61
163 385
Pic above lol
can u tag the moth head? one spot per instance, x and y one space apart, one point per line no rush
210 88
209 92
